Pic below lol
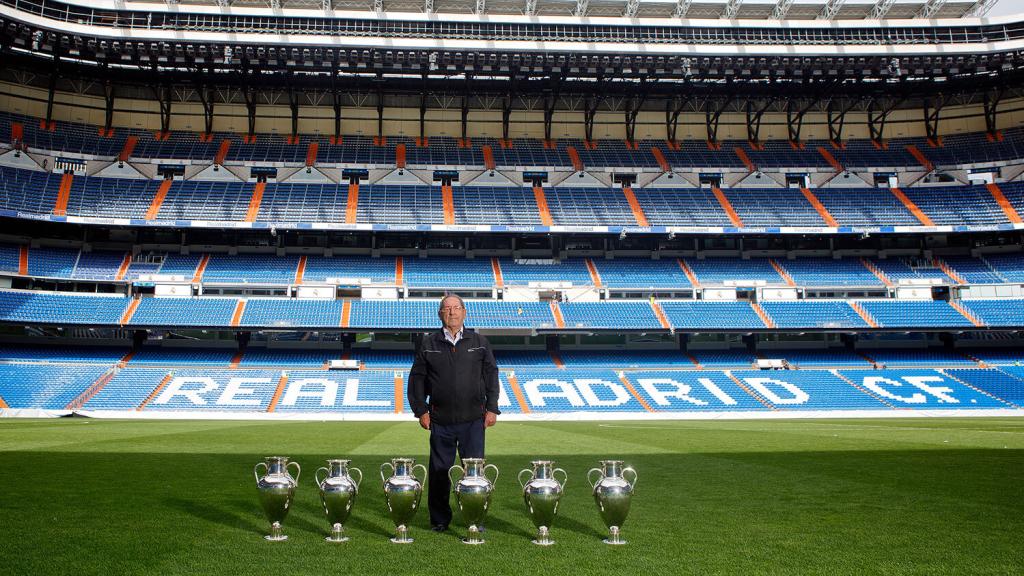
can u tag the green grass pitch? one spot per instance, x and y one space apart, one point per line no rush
890 496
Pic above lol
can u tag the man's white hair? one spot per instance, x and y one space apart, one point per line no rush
440 307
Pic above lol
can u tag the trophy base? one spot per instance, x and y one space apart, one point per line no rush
543 542
275 538
473 541
614 537
402 535
337 534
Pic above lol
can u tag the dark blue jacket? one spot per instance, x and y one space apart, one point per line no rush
454 383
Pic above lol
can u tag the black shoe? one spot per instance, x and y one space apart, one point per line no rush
439 528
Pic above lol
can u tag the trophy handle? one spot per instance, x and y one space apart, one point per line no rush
256 474
590 474
452 478
424 473
520 476
359 472
316 474
298 470
565 476
632 483
495 472
384 478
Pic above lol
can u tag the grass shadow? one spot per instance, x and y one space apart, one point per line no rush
498 525
566 523
208 513
359 522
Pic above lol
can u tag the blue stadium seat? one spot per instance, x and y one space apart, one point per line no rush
914 314
45 386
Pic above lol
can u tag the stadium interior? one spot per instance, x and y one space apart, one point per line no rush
659 209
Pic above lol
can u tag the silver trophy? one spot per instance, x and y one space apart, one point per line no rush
473 494
612 492
276 488
541 493
338 494
402 492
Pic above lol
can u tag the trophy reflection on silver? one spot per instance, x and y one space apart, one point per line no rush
402 493
338 492
276 489
542 492
473 494
613 494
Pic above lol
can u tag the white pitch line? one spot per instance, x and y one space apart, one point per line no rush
836 426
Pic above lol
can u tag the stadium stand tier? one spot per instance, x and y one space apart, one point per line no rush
417 314
176 379
34 193
78 138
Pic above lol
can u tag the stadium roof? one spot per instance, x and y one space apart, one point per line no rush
703 9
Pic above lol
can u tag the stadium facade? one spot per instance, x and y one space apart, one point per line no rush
681 209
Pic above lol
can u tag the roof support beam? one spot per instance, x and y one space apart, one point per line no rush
837 119
581 8
293 104
673 108
795 113
932 108
428 6
465 108
206 95
378 5
550 99
380 111
991 104
506 108
831 9
336 104
163 94
682 7
589 113
980 8
631 8
930 8
878 113
481 7
633 109
108 91
423 109
754 115
531 7
880 9
712 115
732 9
781 9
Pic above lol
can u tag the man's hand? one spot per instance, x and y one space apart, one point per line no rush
425 421
490 419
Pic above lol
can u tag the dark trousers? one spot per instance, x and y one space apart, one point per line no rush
468 439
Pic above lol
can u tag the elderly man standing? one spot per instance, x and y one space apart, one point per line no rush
453 391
